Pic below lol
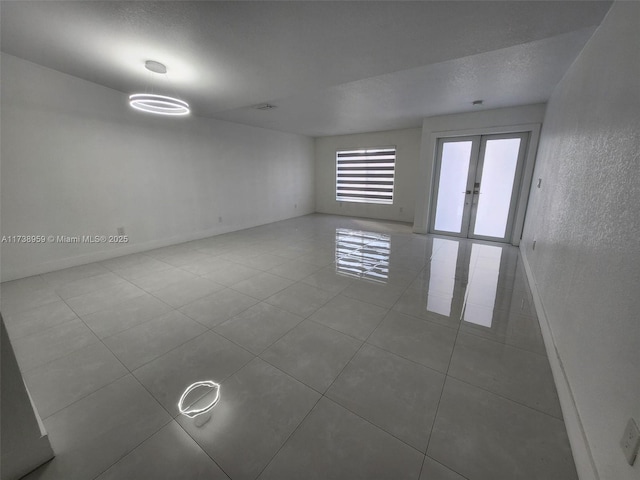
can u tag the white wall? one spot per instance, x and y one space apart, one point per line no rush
585 220
407 144
25 444
501 120
76 159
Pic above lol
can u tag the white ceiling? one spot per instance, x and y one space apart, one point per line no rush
330 67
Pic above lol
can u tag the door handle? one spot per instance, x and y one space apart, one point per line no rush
468 192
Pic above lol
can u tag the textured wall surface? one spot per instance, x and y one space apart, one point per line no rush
76 159
586 222
407 143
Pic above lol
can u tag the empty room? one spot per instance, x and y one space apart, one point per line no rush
331 240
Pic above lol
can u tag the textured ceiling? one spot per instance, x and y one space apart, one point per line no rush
329 67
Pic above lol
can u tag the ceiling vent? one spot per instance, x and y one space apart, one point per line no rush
264 106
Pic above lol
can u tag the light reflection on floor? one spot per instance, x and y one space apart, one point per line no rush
480 298
367 255
328 381
442 278
199 398
481 271
363 254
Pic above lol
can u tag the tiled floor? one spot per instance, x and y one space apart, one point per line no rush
345 349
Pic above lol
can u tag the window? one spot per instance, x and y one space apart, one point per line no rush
365 175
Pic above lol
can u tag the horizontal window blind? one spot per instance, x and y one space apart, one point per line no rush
365 175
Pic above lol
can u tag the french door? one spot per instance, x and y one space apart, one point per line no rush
476 185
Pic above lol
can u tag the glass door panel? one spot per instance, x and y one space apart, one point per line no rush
497 175
454 174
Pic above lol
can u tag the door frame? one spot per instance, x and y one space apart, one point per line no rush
423 208
476 164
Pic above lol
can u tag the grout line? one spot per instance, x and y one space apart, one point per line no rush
503 343
202 449
378 427
26 371
407 359
132 449
262 238
290 435
504 397
435 416
422 466
444 465
272 343
127 372
18 338
130 372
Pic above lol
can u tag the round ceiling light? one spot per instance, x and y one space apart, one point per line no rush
155 67
158 104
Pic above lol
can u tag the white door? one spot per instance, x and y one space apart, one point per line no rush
476 185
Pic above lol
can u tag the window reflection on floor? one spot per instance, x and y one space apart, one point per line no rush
444 260
449 256
484 268
363 254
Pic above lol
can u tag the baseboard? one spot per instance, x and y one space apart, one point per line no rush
580 448
405 219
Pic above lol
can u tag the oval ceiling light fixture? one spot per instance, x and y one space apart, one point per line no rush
158 104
